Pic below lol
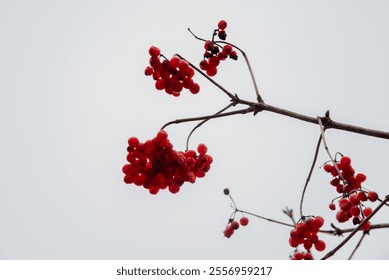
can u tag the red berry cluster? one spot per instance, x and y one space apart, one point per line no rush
299 255
234 225
155 165
171 75
305 233
349 185
215 53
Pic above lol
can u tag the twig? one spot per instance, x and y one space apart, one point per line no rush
264 218
204 121
333 251
327 149
259 97
208 117
310 174
357 246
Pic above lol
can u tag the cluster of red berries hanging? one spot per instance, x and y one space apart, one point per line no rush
233 225
349 185
155 165
171 75
305 233
214 53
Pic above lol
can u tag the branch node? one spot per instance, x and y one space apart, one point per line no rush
326 120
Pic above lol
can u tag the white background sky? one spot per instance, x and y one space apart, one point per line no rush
72 90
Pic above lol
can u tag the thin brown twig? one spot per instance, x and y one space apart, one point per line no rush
322 129
264 218
205 120
358 245
241 111
310 174
259 97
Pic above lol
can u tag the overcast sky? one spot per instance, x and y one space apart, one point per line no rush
73 91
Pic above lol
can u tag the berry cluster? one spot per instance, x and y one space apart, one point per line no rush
171 75
214 53
155 165
234 225
299 255
305 233
349 185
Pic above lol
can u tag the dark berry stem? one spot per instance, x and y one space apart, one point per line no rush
310 174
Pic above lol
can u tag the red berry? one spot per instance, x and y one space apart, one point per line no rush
222 34
222 24
133 142
214 62
355 211
293 242
211 71
298 256
204 65
320 245
149 71
195 88
345 161
174 189
244 221
235 225
342 216
328 168
227 49
360 177
308 256
162 135
234 55
160 84
308 244
174 61
202 149
153 190
362 196
366 226
344 204
228 232
318 221
154 51
209 45
183 64
372 196
332 206
367 211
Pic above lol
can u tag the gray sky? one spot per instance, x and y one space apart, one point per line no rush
72 91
